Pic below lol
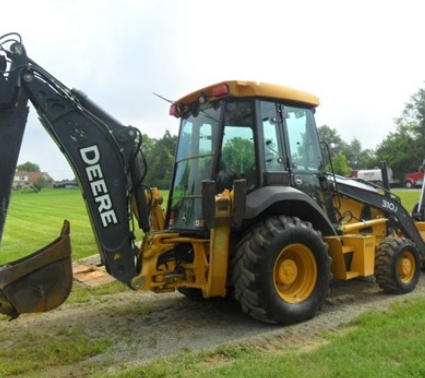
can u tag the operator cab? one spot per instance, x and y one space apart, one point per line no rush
263 133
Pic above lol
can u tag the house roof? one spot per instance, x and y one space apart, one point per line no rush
33 176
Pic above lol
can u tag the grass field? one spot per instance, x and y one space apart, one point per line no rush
35 219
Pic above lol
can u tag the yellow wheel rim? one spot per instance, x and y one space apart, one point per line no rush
295 273
406 267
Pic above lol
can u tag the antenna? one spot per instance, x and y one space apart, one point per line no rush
163 98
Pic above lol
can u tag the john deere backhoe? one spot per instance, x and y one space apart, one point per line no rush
252 213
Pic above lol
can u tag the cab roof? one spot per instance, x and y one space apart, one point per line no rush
242 88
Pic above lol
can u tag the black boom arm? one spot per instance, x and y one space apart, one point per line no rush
104 155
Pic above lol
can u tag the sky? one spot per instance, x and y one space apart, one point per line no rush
363 59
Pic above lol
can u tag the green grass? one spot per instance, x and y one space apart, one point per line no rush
35 219
82 294
409 198
38 350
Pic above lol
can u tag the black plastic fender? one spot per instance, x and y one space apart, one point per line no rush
287 200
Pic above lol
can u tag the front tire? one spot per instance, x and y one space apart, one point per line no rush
397 265
281 271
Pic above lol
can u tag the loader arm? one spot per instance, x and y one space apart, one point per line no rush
388 204
105 155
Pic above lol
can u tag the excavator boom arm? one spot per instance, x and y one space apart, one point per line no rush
13 118
104 154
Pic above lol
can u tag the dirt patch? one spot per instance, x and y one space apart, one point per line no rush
145 326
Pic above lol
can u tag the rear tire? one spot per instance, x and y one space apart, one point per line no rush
397 265
281 271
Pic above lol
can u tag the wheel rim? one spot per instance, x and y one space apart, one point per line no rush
406 267
295 273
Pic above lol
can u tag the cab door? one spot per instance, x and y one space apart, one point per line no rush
291 150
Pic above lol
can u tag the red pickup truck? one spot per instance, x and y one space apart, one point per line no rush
413 179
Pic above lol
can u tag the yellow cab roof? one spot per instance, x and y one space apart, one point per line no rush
242 88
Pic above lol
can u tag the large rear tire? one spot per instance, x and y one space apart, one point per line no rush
281 271
397 265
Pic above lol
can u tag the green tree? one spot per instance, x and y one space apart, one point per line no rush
330 136
414 114
339 165
159 156
239 154
401 149
147 144
355 156
404 149
28 167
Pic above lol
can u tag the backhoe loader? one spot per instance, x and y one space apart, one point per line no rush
254 210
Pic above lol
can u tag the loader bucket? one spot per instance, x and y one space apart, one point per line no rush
39 282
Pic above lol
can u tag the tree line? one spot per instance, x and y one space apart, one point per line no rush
159 155
402 149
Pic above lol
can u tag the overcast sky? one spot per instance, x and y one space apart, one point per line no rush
363 59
